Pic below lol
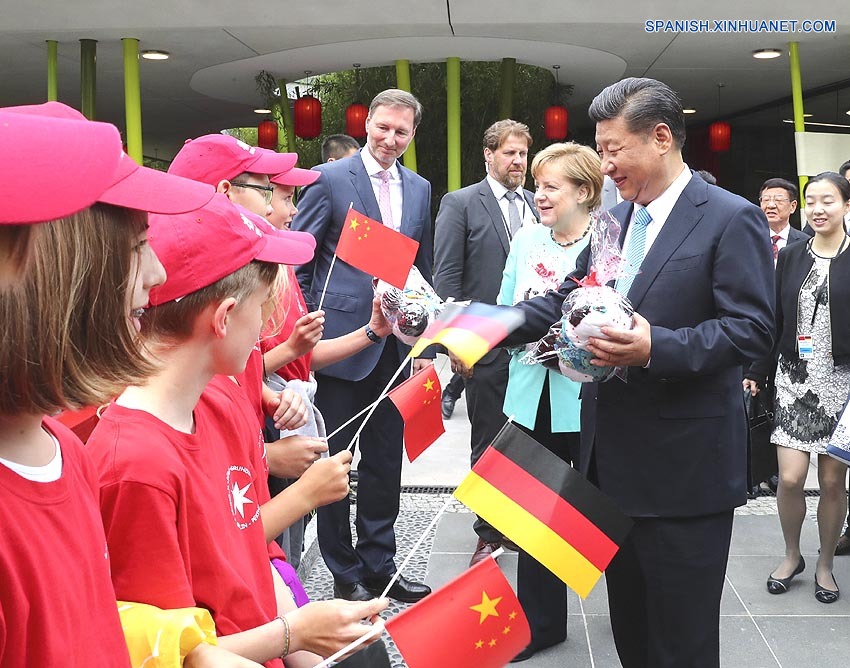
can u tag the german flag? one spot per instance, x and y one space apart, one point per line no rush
546 507
470 332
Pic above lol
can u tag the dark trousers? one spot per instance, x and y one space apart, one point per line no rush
455 386
485 396
664 588
543 595
379 470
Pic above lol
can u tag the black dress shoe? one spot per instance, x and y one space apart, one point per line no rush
483 550
843 546
448 406
532 648
780 585
402 590
824 595
351 591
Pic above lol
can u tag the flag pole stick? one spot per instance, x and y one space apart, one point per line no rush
373 631
416 546
354 417
327 280
383 393
330 269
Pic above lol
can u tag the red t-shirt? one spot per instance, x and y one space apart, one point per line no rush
57 605
291 306
182 511
251 381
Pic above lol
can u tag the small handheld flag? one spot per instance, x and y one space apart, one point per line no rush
474 620
376 249
546 507
418 401
470 332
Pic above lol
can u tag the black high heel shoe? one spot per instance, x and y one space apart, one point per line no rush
780 585
825 595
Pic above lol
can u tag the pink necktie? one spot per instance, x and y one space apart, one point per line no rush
775 239
384 199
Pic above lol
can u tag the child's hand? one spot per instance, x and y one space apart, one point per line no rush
325 627
211 656
326 480
377 322
289 457
291 411
307 333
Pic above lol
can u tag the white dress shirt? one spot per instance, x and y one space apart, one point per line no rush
526 216
396 197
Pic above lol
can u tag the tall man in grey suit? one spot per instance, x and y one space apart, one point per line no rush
374 183
669 446
472 238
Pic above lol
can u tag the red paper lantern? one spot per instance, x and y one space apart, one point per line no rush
355 120
308 117
555 122
719 136
267 135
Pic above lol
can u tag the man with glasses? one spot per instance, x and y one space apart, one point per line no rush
778 200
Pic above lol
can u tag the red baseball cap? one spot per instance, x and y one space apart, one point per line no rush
296 177
215 158
130 184
202 247
53 167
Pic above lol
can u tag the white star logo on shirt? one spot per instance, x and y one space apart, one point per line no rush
239 498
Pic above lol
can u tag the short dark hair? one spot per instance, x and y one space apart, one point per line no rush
338 146
643 104
845 166
498 133
395 97
707 176
786 185
835 179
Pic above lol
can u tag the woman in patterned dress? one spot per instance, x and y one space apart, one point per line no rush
812 355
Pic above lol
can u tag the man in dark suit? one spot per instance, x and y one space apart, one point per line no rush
778 200
472 238
373 182
669 446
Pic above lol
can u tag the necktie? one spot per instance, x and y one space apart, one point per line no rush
775 242
384 199
513 212
634 254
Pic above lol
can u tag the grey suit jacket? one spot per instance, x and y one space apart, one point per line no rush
348 300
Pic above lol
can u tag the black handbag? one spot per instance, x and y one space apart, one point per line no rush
763 463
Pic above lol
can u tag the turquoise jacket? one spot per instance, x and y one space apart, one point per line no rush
534 265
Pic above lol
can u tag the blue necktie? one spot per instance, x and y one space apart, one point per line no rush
634 255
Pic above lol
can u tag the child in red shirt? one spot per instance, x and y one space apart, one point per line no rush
184 449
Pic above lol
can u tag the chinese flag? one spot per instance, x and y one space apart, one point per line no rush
376 249
418 401
475 620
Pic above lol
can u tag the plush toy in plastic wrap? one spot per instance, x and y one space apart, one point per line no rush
410 310
588 309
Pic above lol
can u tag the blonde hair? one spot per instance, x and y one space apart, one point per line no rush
67 339
580 164
173 321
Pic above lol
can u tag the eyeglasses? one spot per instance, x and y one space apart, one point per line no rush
773 198
267 191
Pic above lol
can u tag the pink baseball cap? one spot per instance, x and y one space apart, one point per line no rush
199 248
215 158
53 167
130 184
296 177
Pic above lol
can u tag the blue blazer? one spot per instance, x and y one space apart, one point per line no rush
672 441
322 208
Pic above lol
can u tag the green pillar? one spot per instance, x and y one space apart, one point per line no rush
133 99
88 76
506 106
52 70
453 121
285 111
797 99
402 76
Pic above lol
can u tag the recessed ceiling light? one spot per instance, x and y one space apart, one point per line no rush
848 112
155 54
766 54
262 111
689 111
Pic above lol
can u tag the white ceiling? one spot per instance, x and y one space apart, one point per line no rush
218 47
